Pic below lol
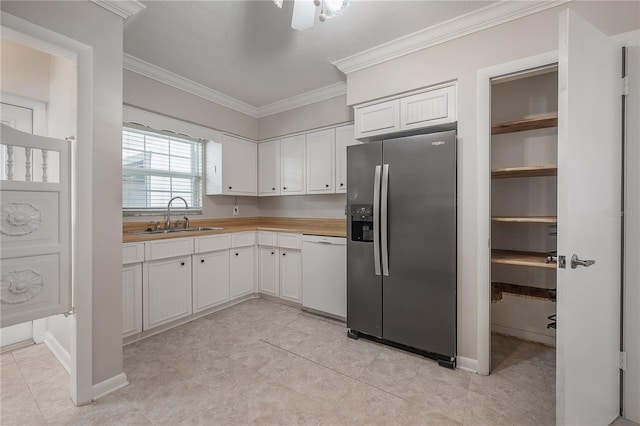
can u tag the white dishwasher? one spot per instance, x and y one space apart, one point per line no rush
324 275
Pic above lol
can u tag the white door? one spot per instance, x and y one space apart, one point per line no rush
210 279
292 151
268 270
242 271
589 166
131 299
34 227
166 291
239 166
291 275
320 157
269 168
344 137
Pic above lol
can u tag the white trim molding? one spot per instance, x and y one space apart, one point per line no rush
308 98
61 354
109 386
123 8
472 22
467 364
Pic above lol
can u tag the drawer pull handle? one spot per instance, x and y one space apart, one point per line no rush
236 254
284 254
181 263
201 260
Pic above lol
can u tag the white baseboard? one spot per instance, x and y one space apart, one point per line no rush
58 351
110 385
531 336
467 364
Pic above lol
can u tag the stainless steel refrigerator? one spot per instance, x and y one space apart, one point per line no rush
401 248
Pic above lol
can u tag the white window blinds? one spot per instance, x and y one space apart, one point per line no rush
157 166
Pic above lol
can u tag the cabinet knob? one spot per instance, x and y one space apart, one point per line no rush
201 260
326 186
284 187
273 252
342 184
273 189
284 254
229 187
181 263
236 254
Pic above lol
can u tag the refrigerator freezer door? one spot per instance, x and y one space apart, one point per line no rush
364 287
419 294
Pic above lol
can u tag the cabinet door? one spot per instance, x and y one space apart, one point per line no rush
242 271
269 168
131 299
210 279
292 165
378 119
291 275
344 137
268 270
320 160
166 289
239 166
428 109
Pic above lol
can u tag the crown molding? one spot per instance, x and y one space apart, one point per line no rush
317 95
478 20
123 8
131 63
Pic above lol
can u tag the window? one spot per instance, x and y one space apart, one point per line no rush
157 166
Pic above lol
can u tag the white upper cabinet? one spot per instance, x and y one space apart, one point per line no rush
428 109
292 156
238 159
345 137
321 162
378 119
269 168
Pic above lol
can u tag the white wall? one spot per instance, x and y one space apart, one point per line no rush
144 93
461 59
99 176
62 108
320 114
25 71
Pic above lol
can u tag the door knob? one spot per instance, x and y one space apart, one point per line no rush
575 262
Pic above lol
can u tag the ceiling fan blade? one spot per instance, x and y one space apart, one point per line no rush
304 13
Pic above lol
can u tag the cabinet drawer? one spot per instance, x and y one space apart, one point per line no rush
162 249
132 253
378 119
428 109
290 241
212 243
268 239
243 239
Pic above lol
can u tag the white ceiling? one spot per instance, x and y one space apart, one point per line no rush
247 49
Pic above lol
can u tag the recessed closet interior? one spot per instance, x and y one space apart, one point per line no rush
524 204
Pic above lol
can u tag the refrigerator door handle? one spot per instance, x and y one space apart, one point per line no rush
385 219
376 220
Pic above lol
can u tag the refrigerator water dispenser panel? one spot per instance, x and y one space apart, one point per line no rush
362 222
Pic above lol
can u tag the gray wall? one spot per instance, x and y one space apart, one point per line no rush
101 31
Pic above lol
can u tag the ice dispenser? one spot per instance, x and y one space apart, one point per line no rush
362 222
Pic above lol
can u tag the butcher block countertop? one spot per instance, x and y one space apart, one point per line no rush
324 227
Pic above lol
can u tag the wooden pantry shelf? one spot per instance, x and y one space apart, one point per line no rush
521 258
529 292
525 219
523 125
522 172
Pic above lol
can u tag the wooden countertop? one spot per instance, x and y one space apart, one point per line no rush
324 227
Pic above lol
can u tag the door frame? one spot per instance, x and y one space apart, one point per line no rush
81 353
483 179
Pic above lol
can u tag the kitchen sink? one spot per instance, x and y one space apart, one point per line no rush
172 231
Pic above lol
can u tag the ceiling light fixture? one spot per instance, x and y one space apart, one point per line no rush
304 11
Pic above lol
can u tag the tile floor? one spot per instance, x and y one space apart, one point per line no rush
261 362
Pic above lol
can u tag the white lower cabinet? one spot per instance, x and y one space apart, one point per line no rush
242 271
280 265
131 299
210 279
291 275
268 263
166 287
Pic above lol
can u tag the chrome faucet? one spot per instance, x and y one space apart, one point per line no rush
169 210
